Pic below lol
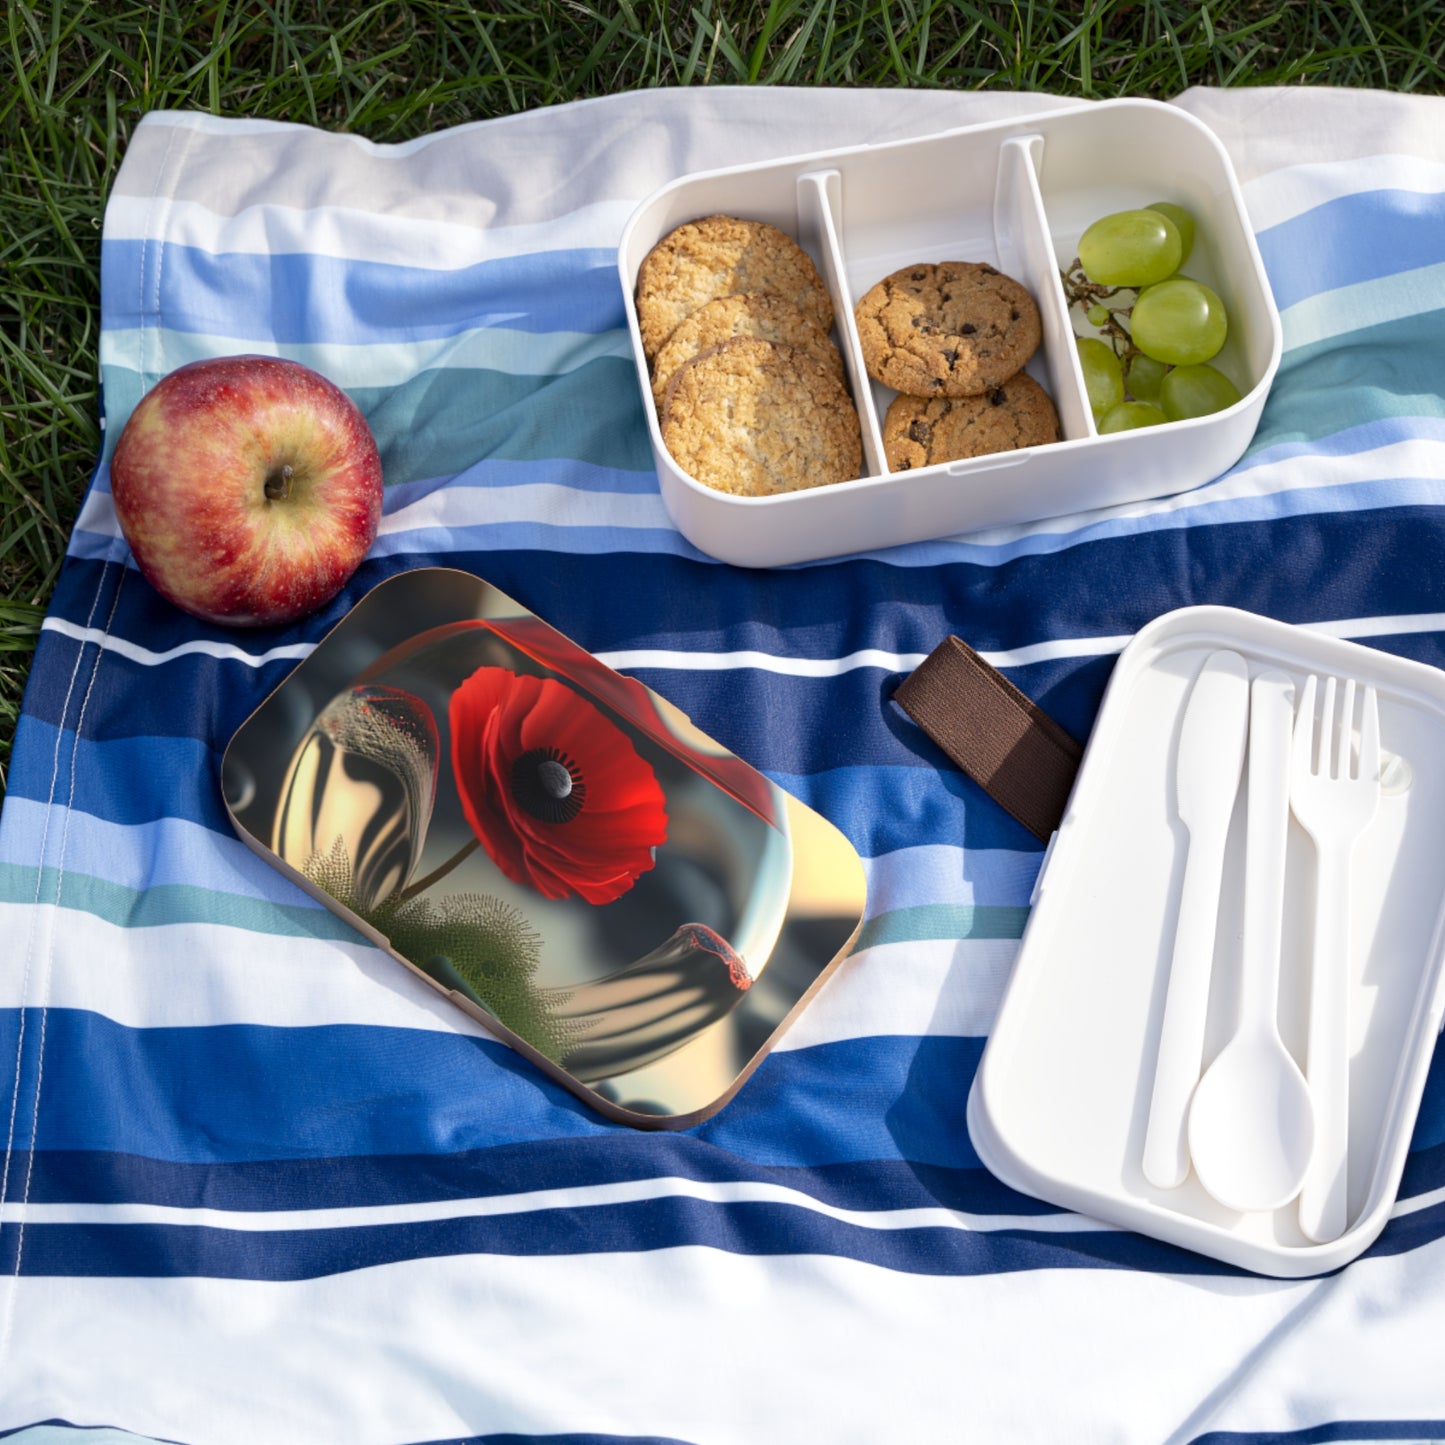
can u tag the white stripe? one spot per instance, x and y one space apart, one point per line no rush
1418 1202
544 502
427 243
1419 457
595 1196
926 988
1284 194
201 647
185 975
696 1343
308 137
192 975
354 366
1362 305
670 660
588 1196
664 659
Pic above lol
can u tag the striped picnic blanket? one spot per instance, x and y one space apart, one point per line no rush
260 1184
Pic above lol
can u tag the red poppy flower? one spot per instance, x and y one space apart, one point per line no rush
553 789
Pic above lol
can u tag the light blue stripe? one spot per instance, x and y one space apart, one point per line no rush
172 851
299 298
351 367
556 537
1353 238
909 877
493 472
140 855
164 904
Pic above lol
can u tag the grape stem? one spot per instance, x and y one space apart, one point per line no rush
1086 295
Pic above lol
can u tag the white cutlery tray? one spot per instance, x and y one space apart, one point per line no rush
1017 195
1060 1104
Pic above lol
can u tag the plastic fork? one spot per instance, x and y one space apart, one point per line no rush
1334 794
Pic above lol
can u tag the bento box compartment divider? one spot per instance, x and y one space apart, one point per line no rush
1026 250
820 226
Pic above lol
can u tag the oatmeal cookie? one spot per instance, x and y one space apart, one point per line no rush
717 256
956 328
752 417
918 432
748 313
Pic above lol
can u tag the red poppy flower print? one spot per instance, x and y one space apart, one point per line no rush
554 790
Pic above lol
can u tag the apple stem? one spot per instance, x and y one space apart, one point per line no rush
278 484
437 874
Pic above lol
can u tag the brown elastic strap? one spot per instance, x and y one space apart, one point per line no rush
1009 746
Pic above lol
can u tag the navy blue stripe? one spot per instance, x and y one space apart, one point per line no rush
754 1229
1417 1432
142 780
54 1422
1339 565
211 1093
58 1176
127 780
1353 238
507 1438
300 297
568 1439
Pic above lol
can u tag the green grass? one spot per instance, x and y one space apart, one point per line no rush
75 78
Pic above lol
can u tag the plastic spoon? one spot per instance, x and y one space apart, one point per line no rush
1251 1122
1211 755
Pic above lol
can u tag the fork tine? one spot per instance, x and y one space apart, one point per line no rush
1370 737
1344 745
1327 728
1304 728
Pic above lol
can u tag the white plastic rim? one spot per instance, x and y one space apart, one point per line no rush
1060 1103
1015 195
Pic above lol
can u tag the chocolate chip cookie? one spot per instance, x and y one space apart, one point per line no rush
749 313
918 432
717 256
955 328
753 418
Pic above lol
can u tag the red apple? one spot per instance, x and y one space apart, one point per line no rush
248 487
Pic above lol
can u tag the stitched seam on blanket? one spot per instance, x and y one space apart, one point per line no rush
35 925
48 969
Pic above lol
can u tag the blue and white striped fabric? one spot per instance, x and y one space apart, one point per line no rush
260 1185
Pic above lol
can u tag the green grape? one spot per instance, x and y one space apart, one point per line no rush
1098 315
1144 376
1130 248
1196 391
1129 415
1183 223
1179 322
1103 376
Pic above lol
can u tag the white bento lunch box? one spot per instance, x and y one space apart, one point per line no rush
1016 195
1061 1102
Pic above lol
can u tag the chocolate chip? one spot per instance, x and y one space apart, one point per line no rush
921 432
967 329
996 397
988 271
949 357
1013 316
917 275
